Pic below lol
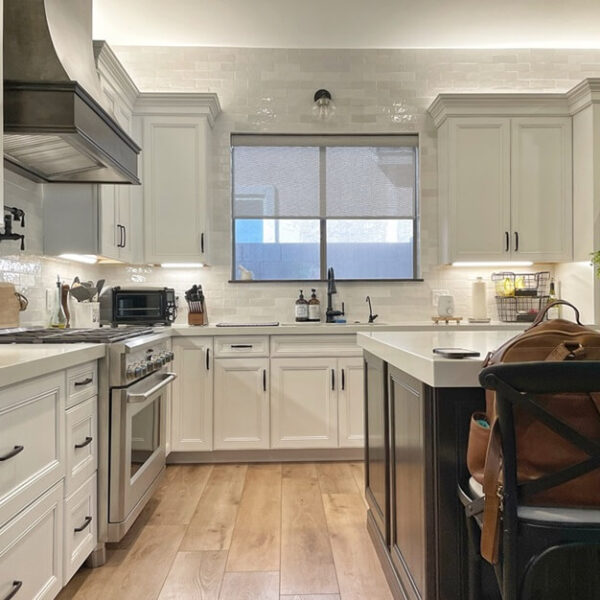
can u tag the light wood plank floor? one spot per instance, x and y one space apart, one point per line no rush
292 531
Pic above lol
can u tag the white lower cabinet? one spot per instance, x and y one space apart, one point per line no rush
351 398
241 403
80 527
31 549
304 403
192 406
32 416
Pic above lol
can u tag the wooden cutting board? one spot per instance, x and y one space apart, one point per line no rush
10 305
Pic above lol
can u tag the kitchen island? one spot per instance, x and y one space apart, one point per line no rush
417 410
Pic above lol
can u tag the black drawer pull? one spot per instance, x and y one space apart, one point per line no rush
333 379
343 379
241 345
86 522
264 380
88 441
208 359
16 450
84 381
16 587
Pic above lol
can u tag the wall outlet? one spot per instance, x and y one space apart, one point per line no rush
435 296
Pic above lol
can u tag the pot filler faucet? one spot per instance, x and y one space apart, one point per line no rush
331 289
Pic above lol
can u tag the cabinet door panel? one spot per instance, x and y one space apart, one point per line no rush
479 188
192 405
304 403
174 188
241 403
351 402
408 481
541 189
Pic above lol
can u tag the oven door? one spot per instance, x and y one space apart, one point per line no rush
137 444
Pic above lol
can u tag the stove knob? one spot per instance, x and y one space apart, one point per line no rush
139 371
170 356
130 373
156 363
143 367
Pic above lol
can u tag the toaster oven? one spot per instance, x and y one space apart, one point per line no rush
137 306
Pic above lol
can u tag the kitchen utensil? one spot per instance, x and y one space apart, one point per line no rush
75 281
446 306
82 293
11 304
99 285
64 298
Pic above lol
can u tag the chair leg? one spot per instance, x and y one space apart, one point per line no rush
474 559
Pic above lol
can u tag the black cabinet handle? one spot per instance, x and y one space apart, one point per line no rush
241 345
333 379
264 380
87 442
124 236
84 381
208 359
506 241
86 522
16 586
120 242
202 243
16 450
516 241
343 379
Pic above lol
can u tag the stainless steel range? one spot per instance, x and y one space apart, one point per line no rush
134 381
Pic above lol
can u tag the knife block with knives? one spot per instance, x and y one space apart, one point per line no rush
197 314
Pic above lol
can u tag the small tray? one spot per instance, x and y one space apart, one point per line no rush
438 320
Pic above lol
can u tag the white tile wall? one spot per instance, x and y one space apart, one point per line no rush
30 271
270 90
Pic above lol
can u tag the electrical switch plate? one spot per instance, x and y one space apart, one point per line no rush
435 296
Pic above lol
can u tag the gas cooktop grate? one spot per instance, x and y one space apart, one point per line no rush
72 336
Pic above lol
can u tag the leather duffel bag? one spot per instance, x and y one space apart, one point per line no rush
540 451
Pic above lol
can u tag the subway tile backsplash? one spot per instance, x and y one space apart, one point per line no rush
270 90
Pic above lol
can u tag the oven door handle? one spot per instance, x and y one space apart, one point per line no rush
133 398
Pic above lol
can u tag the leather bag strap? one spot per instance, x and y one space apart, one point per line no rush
542 313
566 351
492 489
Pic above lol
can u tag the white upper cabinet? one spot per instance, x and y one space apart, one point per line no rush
478 188
541 184
176 131
119 229
505 177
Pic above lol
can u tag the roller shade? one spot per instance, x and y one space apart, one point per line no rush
324 176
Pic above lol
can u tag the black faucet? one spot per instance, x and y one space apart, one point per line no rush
372 317
331 289
17 214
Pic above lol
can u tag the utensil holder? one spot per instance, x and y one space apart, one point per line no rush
196 318
85 315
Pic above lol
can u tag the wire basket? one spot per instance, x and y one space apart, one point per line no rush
520 309
510 284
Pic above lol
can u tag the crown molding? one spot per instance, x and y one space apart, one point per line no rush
584 94
162 103
497 105
108 63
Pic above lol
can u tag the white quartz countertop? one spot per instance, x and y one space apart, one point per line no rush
412 352
335 328
19 362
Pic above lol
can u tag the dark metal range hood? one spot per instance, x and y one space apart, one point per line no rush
54 127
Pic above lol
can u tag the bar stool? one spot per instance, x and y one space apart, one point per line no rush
532 536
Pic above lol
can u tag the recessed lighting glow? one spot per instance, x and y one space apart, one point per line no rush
190 265
88 259
491 263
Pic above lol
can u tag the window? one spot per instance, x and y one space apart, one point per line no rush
302 204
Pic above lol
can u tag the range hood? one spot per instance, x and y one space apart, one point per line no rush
54 127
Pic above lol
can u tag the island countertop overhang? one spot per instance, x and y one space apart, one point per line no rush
412 352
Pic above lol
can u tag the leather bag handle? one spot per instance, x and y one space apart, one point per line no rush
542 313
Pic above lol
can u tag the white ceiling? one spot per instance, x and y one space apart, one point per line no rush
350 23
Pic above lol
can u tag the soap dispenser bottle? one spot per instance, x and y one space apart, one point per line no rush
314 307
301 309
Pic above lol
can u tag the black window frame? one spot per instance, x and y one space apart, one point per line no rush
323 220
